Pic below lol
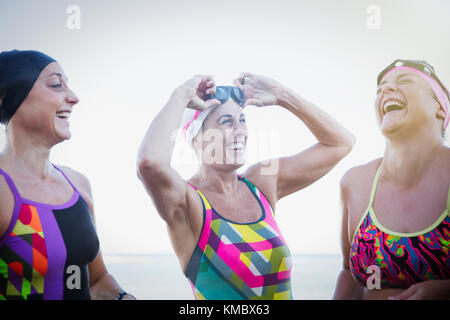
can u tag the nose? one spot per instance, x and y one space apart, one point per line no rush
388 87
240 128
72 98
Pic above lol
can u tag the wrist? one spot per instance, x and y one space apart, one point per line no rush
182 93
283 96
124 296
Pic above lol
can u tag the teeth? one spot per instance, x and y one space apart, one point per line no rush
388 104
238 145
63 114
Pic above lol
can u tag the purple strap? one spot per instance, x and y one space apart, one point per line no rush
11 184
68 180
17 205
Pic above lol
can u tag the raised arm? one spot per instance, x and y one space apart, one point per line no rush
302 169
167 189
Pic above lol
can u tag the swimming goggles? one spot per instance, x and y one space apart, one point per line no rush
419 65
223 93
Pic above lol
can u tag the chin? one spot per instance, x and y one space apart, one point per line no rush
391 124
397 129
63 136
234 159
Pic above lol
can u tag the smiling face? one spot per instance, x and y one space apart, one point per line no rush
46 110
406 104
223 138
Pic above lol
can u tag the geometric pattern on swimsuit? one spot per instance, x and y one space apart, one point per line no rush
44 247
240 260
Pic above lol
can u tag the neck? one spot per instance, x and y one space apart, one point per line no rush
405 162
217 180
27 154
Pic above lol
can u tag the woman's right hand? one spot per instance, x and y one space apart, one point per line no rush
197 89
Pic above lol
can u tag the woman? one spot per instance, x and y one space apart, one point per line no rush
48 244
221 224
396 209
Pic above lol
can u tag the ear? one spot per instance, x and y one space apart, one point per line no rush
440 114
196 142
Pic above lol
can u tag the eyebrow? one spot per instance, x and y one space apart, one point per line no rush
398 77
59 75
224 115
229 116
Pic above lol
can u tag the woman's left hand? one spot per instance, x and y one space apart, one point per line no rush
259 91
426 290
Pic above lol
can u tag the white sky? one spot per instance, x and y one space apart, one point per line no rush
128 56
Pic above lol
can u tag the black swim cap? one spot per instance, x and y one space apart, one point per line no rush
18 73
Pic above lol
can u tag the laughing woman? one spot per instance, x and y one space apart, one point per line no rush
396 209
48 243
221 224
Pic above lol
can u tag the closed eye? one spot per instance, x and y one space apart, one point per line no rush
404 81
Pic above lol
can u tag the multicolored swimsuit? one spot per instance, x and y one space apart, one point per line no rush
403 258
240 260
46 249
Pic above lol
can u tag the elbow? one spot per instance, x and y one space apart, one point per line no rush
347 144
147 167
350 142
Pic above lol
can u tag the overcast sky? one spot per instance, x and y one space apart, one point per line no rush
126 58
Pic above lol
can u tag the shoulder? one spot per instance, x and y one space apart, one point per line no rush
359 175
266 183
80 181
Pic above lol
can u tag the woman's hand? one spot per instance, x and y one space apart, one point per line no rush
196 90
259 90
426 290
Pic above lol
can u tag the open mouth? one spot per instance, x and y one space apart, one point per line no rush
65 115
393 105
237 146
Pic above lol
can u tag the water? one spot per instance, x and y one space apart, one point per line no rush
159 277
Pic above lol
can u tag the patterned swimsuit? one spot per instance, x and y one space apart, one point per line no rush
240 260
46 249
403 258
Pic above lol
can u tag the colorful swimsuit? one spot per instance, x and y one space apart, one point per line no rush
46 249
403 258
240 260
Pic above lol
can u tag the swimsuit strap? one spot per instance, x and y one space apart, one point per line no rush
16 192
11 184
202 197
374 185
68 180
448 201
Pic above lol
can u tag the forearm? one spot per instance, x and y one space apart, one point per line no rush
326 130
159 141
446 285
105 288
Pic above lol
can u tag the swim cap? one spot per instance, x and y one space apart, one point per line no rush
193 119
19 70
